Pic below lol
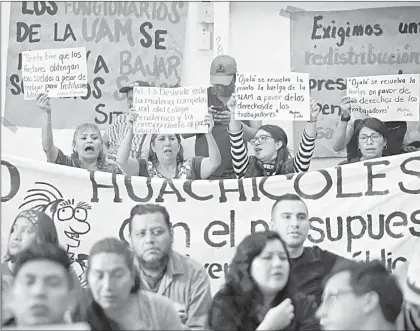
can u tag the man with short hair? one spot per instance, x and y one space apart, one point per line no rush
360 296
222 78
308 265
164 271
42 286
409 320
116 131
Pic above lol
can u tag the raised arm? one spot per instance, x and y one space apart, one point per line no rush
213 161
129 165
302 159
43 102
345 128
251 129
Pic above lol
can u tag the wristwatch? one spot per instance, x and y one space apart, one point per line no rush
345 119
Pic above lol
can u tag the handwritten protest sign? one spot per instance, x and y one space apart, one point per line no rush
125 41
373 210
282 97
170 110
388 98
57 72
334 45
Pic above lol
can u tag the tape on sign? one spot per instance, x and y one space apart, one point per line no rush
289 11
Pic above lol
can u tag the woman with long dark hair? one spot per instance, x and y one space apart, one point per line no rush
258 294
118 302
271 155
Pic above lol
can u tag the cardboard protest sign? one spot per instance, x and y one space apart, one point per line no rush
276 97
388 98
56 72
373 210
334 45
170 111
125 41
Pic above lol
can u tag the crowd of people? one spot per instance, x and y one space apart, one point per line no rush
273 282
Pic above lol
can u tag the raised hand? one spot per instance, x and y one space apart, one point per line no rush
315 110
210 121
43 102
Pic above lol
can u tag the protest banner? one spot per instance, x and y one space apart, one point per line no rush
170 111
70 326
124 41
334 45
56 72
366 210
388 98
281 97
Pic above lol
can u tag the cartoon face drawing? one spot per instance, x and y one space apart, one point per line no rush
71 219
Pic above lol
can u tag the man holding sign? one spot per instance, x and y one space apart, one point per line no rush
222 77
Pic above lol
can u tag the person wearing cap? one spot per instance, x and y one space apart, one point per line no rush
222 78
360 296
116 131
409 319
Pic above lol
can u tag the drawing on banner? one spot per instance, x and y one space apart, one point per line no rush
283 97
69 217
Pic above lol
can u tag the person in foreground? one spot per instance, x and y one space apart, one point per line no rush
258 294
409 319
371 135
272 156
88 150
118 302
360 296
166 156
165 271
42 286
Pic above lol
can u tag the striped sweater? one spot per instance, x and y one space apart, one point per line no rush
247 166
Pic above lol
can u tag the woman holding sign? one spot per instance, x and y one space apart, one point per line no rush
166 156
88 150
257 294
270 146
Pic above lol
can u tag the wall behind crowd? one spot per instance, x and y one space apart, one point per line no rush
259 40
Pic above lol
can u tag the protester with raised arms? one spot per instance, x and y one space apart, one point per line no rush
258 294
272 156
308 265
360 296
42 287
119 303
88 149
166 272
371 135
166 156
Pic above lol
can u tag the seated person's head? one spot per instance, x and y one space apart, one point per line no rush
371 136
111 274
270 144
359 296
166 147
87 143
42 286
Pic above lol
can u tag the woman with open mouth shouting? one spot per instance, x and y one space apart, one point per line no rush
166 156
258 294
88 151
272 156
371 136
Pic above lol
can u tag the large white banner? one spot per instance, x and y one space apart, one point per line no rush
364 210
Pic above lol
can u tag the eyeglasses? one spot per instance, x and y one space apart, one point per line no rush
261 139
329 298
374 137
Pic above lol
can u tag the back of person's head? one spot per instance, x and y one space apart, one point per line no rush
372 276
44 251
146 209
278 134
121 248
373 124
46 231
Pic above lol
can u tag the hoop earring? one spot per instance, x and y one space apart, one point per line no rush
385 147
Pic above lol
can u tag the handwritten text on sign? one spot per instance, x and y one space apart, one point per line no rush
170 111
284 97
57 72
389 98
